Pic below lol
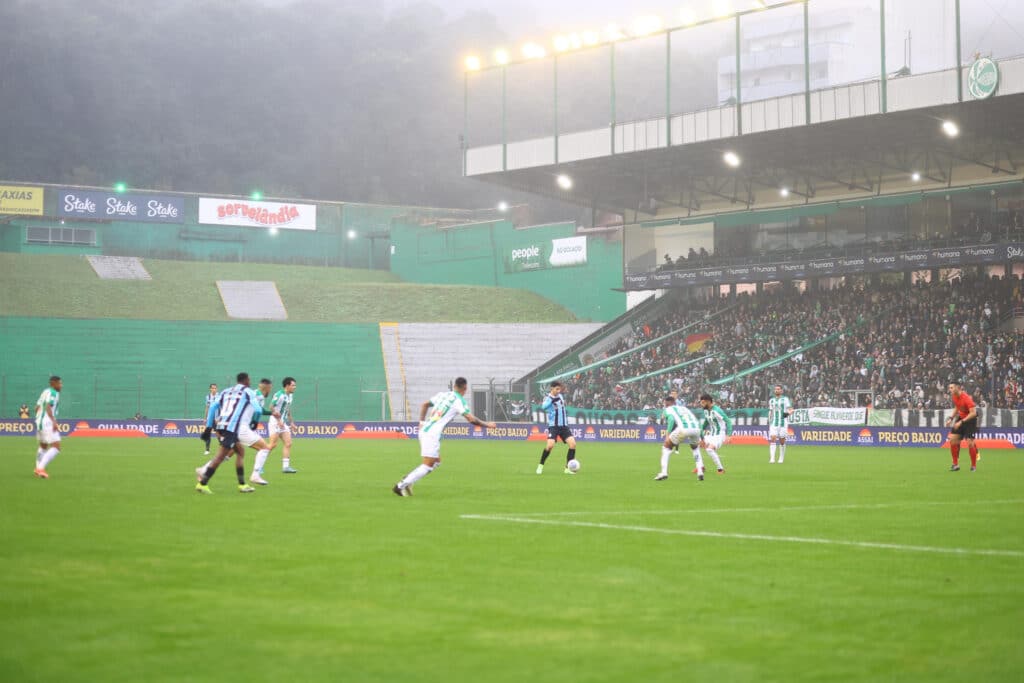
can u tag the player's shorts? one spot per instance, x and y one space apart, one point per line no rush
967 428
48 433
780 432
690 436
563 433
246 435
227 438
714 441
430 445
275 426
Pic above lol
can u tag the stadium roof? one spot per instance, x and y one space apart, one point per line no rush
859 157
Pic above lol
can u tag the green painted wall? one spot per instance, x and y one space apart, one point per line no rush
477 254
113 368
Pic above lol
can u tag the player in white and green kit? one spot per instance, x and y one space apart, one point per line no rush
681 426
435 415
779 410
717 429
282 427
47 429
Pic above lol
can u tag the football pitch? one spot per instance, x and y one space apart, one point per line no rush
843 564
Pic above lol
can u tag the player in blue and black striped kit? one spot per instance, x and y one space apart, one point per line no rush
558 428
211 399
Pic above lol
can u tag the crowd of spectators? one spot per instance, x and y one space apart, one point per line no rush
970 228
898 345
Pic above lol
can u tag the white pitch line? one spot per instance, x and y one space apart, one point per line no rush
752 537
791 508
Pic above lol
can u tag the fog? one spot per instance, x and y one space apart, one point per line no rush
311 98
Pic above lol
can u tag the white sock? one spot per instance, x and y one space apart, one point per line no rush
714 456
261 459
782 452
414 476
39 456
285 462
699 461
666 453
771 449
48 457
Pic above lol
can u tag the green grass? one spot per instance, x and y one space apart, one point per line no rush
67 287
114 570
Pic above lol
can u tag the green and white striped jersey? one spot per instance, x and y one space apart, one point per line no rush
283 402
778 409
49 397
445 406
716 422
680 417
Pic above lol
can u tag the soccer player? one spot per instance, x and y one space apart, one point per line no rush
281 427
682 426
965 425
234 415
717 429
554 404
211 398
779 410
259 445
442 407
47 429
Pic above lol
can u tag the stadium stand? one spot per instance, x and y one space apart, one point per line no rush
251 300
901 344
432 355
119 268
186 290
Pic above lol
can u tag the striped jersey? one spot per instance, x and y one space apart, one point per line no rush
680 417
555 407
778 408
49 397
213 408
445 406
283 402
237 406
716 422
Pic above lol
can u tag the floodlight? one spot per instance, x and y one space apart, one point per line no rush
644 26
613 33
534 51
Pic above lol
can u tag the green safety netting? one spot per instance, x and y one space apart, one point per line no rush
786 356
641 347
655 373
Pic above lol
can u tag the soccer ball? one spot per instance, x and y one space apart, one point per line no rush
573 465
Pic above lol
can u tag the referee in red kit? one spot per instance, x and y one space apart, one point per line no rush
965 425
